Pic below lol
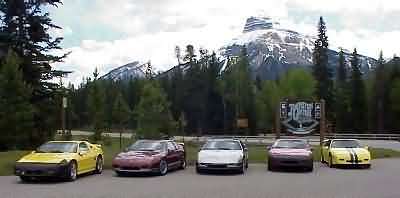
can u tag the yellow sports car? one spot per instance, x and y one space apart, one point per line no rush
65 159
345 152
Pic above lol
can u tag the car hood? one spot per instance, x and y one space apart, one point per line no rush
346 151
137 155
291 152
46 157
220 156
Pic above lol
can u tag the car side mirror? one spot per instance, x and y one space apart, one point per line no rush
245 149
82 153
367 147
269 147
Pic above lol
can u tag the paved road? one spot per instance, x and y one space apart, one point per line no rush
382 181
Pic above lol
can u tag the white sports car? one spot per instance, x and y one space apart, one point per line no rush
222 154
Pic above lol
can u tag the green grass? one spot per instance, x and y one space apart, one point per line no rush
7 161
111 147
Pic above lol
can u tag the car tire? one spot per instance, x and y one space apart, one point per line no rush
198 170
310 168
72 171
243 168
119 173
25 178
183 164
270 168
99 165
163 168
330 163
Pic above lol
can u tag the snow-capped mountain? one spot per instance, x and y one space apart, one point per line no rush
273 50
125 72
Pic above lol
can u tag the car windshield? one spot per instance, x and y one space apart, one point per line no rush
292 144
145 146
345 144
58 147
222 145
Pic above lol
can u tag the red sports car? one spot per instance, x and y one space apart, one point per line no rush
290 153
153 156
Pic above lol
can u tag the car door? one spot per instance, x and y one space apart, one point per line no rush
84 157
325 149
93 155
173 154
181 152
245 151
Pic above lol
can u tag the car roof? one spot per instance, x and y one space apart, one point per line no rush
147 140
73 141
344 139
223 139
294 139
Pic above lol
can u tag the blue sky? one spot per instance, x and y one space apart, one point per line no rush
107 34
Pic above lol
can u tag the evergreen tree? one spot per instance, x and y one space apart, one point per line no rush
152 112
16 112
358 96
120 113
321 71
342 103
96 107
380 92
25 28
194 91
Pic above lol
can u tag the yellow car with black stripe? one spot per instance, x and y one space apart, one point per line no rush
337 152
64 159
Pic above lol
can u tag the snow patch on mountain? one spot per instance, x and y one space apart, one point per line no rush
125 72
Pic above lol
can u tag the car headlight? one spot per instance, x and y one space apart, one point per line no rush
63 162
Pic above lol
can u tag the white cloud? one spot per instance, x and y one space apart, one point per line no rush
153 28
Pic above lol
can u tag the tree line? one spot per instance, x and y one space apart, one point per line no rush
202 95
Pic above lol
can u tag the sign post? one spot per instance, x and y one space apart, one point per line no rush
322 127
301 117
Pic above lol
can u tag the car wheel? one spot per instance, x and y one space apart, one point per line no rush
72 171
163 168
25 178
198 171
310 168
330 163
99 165
243 168
270 168
183 164
119 173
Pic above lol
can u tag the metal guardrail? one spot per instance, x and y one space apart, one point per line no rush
262 139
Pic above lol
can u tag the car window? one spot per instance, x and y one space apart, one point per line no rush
293 144
171 146
83 147
326 143
143 145
345 144
222 145
58 147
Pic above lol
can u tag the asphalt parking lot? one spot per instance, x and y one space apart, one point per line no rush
381 181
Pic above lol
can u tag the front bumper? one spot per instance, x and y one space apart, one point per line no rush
41 170
290 161
339 160
219 166
126 166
